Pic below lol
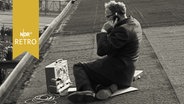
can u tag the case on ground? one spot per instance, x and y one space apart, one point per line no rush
57 76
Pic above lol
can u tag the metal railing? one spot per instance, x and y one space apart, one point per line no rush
52 6
15 75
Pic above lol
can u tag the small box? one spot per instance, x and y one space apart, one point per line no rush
57 76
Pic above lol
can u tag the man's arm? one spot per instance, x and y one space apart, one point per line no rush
102 44
108 43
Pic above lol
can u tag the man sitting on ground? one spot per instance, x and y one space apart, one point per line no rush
118 43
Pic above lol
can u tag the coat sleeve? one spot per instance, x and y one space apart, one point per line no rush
118 38
110 43
102 44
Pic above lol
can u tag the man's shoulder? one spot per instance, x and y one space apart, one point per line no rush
132 20
130 24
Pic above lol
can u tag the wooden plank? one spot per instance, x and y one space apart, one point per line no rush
122 91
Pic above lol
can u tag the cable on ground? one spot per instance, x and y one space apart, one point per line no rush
43 99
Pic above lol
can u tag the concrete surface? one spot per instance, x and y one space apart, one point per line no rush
160 84
168 44
154 86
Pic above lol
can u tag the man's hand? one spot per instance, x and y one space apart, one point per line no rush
107 26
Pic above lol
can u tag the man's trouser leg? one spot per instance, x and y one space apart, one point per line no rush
81 79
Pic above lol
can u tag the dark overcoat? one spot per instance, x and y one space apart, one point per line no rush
119 48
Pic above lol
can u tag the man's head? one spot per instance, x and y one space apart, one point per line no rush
113 8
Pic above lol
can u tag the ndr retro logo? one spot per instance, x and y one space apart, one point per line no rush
26 38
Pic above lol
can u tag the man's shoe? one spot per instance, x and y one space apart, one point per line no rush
105 93
113 88
81 96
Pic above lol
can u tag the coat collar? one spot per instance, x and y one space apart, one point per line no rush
123 21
